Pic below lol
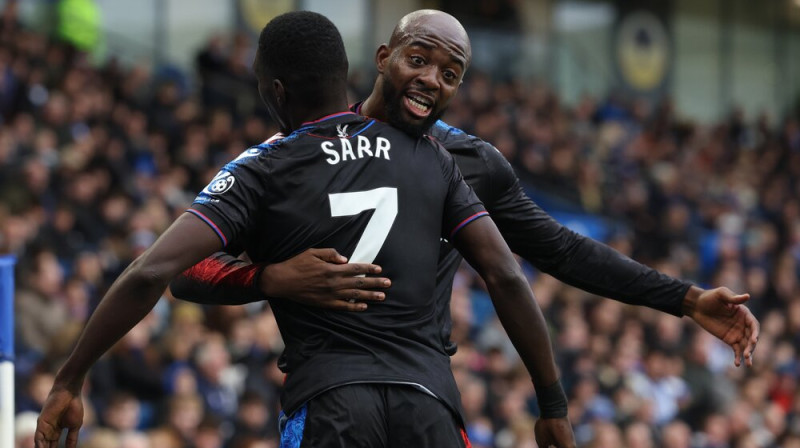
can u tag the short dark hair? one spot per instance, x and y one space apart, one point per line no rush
305 51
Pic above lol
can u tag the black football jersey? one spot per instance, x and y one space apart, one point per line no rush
534 235
376 195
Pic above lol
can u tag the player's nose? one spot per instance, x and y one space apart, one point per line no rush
429 77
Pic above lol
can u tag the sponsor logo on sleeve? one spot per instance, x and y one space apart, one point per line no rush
221 183
249 153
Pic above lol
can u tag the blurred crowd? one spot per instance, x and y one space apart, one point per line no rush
95 162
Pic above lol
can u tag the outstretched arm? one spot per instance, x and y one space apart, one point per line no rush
317 277
483 247
126 303
568 256
594 267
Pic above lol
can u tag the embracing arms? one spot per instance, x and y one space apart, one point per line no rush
320 277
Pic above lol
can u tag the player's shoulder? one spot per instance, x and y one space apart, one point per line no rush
251 154
455 139
461 144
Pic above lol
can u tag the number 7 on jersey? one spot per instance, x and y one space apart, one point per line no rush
384 201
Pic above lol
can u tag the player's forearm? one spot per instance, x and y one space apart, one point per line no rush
597 268
577 260
601 270
220 279
128 300
526 327
482 246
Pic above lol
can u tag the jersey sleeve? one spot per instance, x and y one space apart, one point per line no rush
572 258
462 205
220 279
229 203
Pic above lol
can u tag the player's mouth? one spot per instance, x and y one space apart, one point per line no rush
418 105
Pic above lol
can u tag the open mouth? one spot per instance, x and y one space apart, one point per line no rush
418 105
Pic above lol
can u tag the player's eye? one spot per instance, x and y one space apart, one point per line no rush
417 60
450 75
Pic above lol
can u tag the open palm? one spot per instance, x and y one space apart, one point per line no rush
723 314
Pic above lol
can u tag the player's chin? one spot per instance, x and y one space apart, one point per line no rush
414 129
417 126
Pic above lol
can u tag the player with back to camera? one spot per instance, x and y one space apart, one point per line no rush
412 92
379 378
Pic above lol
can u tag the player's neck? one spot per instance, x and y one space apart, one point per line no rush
373 106
306 114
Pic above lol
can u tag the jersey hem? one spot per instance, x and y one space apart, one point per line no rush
211 224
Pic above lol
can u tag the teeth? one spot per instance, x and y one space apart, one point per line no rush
422 107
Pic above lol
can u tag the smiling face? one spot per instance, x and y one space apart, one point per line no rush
421 69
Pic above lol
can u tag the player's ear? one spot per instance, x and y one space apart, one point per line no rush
382 57
280 92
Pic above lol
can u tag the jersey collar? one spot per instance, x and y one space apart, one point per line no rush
325 118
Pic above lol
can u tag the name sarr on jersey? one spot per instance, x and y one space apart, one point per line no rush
364 147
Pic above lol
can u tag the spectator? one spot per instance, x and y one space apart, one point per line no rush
184 415
40 312
214 377
665 393
122 413
676 435
254 418
24 429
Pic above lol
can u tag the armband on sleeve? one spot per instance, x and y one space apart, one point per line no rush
552 400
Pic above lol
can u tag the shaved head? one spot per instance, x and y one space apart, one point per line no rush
419 70
432 22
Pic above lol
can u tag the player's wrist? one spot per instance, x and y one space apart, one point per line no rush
266 280
552 400
690 300
66 380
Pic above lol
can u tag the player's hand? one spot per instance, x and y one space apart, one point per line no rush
323 278
63 409
722 313
554 432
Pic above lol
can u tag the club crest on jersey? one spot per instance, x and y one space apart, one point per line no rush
342 131
221 183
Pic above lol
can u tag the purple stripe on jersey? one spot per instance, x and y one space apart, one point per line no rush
210 224
467 221
327 117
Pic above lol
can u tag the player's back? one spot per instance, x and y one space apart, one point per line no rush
376 195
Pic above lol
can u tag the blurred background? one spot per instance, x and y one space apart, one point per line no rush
667 129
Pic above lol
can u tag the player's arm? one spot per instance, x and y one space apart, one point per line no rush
317 277
129 299
483 247
594 267
477 238
220 279
570 257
